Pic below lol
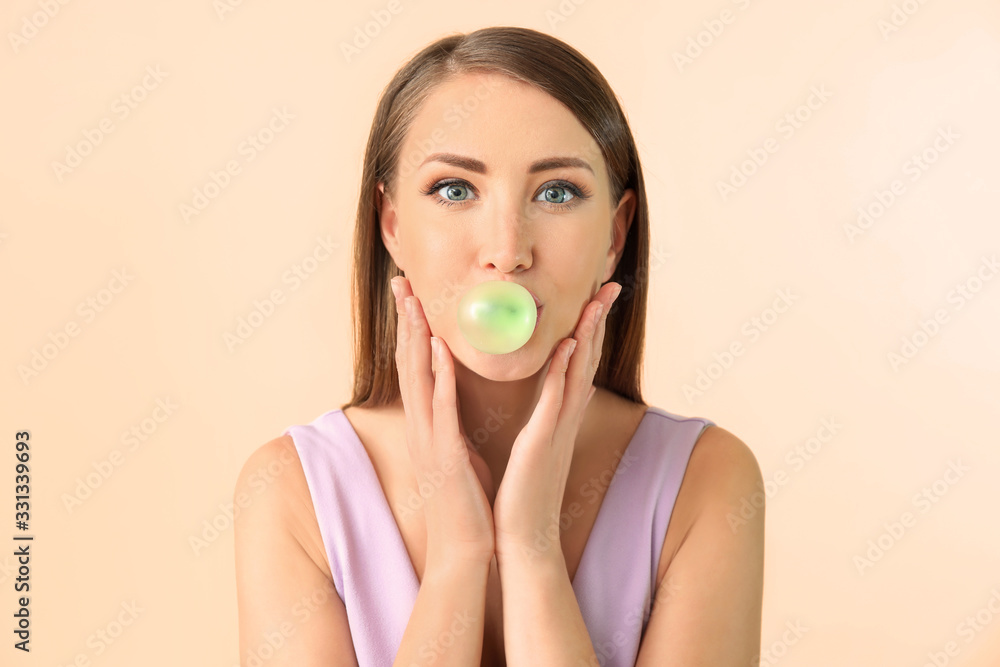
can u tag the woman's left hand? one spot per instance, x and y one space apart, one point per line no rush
529 501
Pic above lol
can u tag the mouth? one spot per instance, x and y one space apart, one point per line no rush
538 315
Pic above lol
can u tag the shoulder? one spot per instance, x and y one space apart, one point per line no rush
712 563
280 562
722 452
719 461
721 477
272 493
271 485
275 465
722 468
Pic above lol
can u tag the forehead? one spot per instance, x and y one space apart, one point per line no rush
503 122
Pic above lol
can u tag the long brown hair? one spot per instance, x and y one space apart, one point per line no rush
541 60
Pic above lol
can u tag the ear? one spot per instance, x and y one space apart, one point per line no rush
620 225
388 223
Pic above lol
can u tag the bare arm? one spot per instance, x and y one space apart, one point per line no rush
447 621
543 624
289 611
707 611
446 626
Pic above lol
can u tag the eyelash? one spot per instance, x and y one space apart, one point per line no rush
579 193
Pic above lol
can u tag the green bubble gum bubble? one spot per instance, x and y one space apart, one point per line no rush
497 316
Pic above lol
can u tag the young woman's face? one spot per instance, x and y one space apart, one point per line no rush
508 209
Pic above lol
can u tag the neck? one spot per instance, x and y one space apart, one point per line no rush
494 412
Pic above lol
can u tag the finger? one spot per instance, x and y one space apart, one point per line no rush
541 426
421 382
444 418
417 431
458 408
578 387
583 366
586 317
402 336
597 347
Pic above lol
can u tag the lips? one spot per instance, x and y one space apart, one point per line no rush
538 302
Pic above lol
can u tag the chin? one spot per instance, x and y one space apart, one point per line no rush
524 362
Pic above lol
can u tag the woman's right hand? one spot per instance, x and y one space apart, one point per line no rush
457 512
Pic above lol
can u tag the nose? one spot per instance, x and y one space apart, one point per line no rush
507 243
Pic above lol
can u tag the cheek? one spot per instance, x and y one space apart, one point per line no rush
562 314
442 249
441 297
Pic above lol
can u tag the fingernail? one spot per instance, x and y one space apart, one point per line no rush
435 351
618 290
409 307
597 313
395 288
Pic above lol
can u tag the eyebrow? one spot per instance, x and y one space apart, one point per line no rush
479 167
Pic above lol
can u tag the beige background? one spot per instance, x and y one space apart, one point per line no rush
161 336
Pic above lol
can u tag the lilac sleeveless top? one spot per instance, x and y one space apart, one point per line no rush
615 582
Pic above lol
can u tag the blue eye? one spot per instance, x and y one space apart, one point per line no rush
450 189
576 194
552 188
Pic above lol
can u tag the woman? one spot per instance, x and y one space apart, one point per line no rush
524 508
